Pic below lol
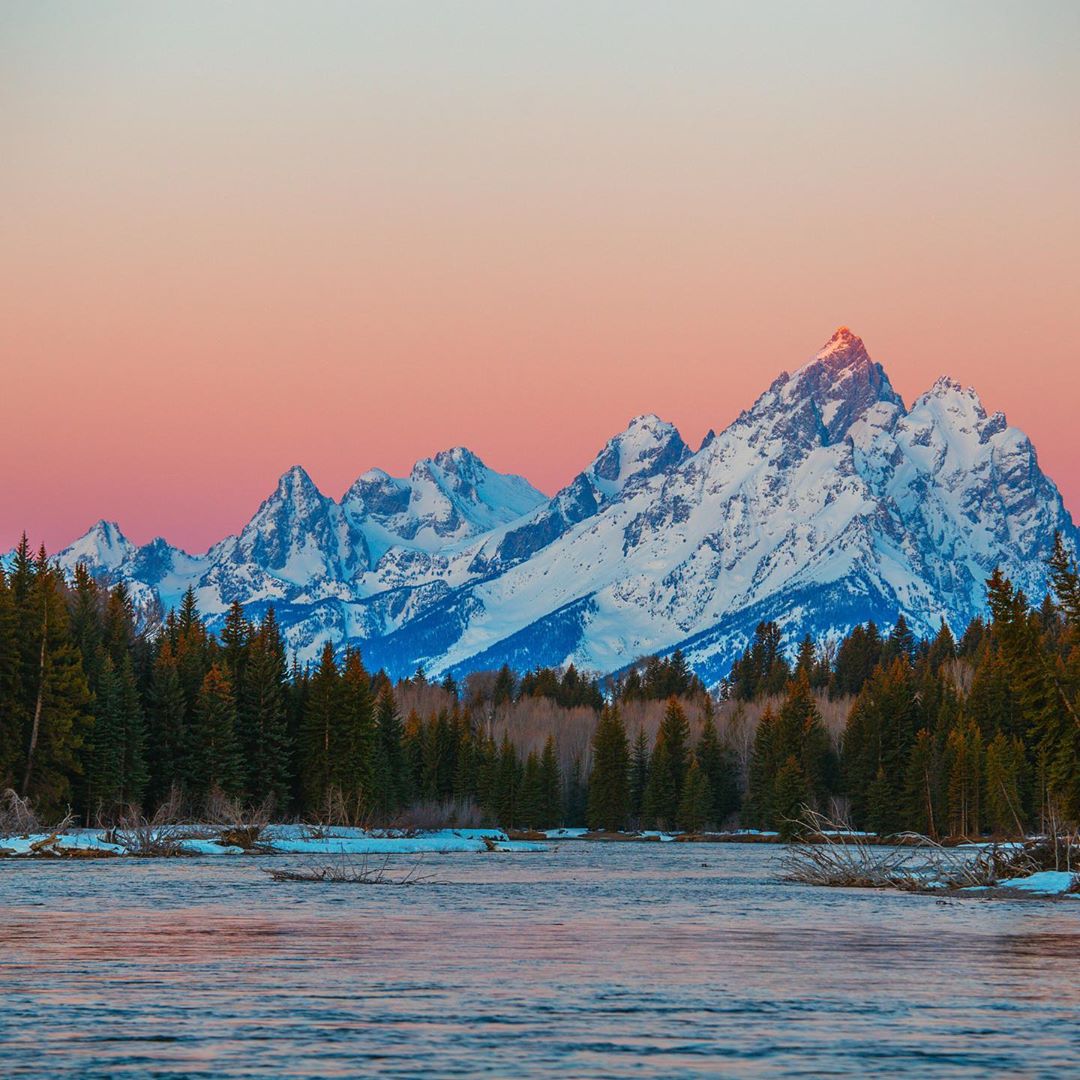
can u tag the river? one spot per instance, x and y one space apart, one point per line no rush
589 960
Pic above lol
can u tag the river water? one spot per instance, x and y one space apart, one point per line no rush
590 960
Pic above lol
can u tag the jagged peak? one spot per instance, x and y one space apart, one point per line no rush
295 483
650 422
373 476
455 457
843 350
945 386
107 529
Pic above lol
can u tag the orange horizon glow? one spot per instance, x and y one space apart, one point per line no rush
239 238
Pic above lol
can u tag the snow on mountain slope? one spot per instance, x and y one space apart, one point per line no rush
648 447
827 502
446 499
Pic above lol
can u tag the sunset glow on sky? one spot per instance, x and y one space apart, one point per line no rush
241 236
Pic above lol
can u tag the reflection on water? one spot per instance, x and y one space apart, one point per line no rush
589 961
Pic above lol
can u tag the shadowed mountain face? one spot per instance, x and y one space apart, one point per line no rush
826 503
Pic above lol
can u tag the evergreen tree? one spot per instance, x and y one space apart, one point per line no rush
964 756
508 784
391 782
262 716
922 786
550 798
353 771
55 709
717 764
576 799
322 746
639 777
609 781
167 713
213 758
1005 766
530 808
790 794
696 803
668 767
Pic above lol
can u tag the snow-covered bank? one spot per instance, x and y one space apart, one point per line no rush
277 840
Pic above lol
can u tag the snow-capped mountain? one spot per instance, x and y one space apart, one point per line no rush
826 503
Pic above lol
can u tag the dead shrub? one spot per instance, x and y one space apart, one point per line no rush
831 853
349 871
18 817
237 824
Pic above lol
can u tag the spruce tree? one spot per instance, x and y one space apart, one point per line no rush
550 809
717 764
923 801
353 773
609 781
1004 766
321 746
639 777
696 804
56 696
213 756
262 716
391 784
668 767
167 738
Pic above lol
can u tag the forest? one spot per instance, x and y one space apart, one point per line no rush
106 713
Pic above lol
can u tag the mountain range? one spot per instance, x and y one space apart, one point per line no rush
828 502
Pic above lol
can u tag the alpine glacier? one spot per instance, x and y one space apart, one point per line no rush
827 503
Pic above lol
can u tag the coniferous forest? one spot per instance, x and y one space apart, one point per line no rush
101 713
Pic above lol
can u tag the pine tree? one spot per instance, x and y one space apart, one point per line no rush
668 767
213 757
791 793
262 716
639 777
550 801
696 804
801 733
718 766
922 786
11 694
576 799
391 783
529 808
166 720
1005 763
764 764
56 703
321 744
508 784
103 778
964 754
609 781
877 745
353 772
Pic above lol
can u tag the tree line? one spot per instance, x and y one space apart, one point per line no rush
946 737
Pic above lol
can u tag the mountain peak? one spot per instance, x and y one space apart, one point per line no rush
647 446
844 349
456 458
296 481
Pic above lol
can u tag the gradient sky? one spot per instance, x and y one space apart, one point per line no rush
235 237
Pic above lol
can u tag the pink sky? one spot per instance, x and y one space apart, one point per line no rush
241 237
